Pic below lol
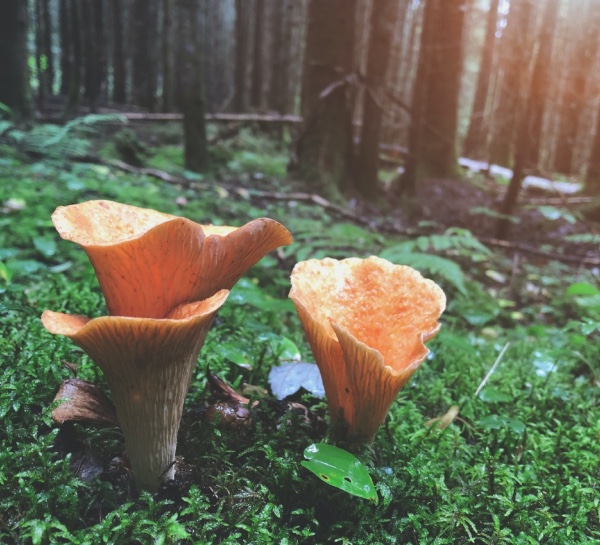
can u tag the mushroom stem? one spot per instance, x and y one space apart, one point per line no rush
148 364
149 410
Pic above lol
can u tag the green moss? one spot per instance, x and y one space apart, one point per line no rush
518 465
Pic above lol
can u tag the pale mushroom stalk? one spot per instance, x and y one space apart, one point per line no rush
148 364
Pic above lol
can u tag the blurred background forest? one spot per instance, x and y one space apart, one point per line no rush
427 84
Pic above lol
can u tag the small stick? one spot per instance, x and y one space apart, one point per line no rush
492 369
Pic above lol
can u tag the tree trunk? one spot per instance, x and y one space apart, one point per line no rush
515 52
324 149
76 22
119 93
380 40
408 181
66 48
194 127
540 84
256 94
437 154
143 21
47 46
14 83
242 14
592 178
167 57
526 96
573 100
40 59
475 142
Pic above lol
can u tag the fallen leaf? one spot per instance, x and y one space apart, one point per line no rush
286 379
83 401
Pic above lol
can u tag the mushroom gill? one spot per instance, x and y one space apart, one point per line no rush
366 321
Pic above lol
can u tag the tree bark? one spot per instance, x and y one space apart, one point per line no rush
437 155
540 84
194 127
143 22
66 47
14 83
526 96
592 178
380 40
574 98
324 149
76 23
119 93
240 102
167 57
40 60
475 145
515 52
256 95
408 180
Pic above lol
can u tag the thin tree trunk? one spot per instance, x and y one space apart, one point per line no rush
14 83
195 149
515 52
256 94
143 73
475 142
525 97
580 72
119 94
167 54
66 48
408 181
76 20
380 40
592 178
540 84
241 54
47 47
40 61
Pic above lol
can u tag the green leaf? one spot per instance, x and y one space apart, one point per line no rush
582 288
341 469
45 245
432 264
5 273
491 395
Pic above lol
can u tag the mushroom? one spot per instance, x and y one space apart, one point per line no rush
366 321
148 262
164 278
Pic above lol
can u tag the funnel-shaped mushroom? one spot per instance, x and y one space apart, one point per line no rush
366 321
148 262
163 278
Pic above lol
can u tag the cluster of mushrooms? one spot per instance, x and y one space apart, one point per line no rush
165 277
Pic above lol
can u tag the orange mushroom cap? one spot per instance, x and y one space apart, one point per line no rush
367 321
142 271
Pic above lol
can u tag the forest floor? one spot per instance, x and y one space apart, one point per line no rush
517 459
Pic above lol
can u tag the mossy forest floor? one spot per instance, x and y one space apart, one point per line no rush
520 464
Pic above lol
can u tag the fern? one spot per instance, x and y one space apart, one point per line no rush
453 240
316 241
56 141
434 265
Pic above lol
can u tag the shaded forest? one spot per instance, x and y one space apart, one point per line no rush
513 84
228 229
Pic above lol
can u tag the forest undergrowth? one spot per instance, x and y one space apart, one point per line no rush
519 463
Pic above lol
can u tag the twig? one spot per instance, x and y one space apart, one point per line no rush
483 382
